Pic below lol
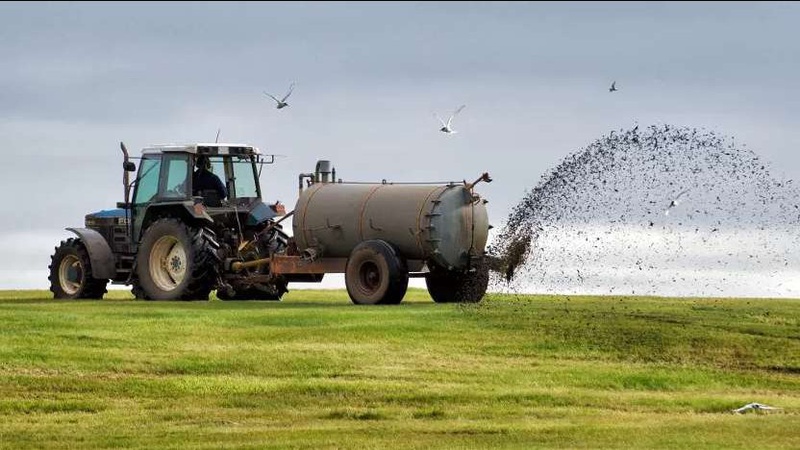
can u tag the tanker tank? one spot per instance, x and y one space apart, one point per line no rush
445 225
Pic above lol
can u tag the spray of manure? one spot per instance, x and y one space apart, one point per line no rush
665 210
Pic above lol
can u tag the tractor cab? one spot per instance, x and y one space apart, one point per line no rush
170 176
166 173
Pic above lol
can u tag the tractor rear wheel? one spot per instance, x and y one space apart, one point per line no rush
71 272
376 274
176 262
454 287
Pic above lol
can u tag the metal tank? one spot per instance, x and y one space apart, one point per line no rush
442 224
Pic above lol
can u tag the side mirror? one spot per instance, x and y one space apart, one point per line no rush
128 166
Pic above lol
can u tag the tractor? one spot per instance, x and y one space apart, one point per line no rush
171 243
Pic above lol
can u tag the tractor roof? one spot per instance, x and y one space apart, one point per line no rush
203 149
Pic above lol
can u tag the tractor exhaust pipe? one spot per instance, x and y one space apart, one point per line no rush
127 166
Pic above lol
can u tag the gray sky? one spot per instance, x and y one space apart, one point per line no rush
78 78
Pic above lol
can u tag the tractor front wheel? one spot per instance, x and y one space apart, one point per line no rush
176 262
71 272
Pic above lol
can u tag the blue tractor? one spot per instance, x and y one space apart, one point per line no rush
173 241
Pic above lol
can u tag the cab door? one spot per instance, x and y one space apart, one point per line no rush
163 179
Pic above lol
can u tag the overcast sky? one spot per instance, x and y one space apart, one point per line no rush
77 78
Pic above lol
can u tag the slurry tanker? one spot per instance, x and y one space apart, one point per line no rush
171 241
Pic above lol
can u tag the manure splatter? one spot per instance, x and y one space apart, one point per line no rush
663 210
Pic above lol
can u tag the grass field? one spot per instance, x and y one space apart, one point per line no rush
315 371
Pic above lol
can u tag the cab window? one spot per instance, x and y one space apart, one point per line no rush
245 177
147 180
176 173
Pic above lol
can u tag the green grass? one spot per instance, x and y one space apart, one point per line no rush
316 371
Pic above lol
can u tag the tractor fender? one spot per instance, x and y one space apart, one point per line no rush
100 255
182 210
198 213
185 209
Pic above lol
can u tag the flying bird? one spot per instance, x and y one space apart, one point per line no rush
446 128
675 202
282 102
613 87
753 406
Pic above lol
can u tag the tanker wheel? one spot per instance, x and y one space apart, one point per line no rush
176 262
376 274
455 287
71 272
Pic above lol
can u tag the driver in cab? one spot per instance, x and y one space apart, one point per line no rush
204 180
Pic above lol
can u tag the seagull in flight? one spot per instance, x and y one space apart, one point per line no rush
446 128
282 102
613 87
675 202
753 406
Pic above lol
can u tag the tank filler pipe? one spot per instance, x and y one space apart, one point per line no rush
300 178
